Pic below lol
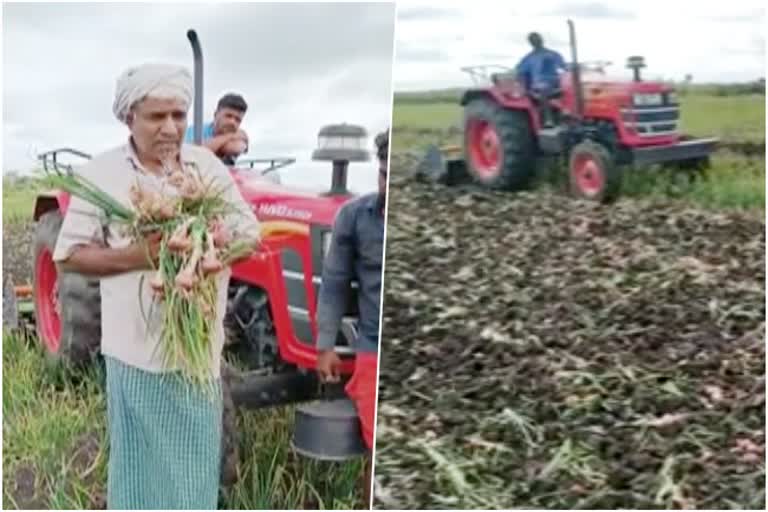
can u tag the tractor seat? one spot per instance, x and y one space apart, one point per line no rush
550 95
497 78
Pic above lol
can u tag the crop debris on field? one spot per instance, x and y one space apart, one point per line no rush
543 352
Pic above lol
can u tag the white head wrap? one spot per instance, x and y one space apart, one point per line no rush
156 80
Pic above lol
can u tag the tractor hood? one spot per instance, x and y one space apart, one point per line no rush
596 84
628 86
271 201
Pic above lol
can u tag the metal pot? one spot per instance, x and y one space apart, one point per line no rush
328 430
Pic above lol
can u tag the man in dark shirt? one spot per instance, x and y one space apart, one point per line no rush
539 73
356 253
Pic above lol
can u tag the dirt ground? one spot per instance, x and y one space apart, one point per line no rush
17 251
548 353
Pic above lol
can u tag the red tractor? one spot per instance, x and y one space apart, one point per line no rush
271 319
600 126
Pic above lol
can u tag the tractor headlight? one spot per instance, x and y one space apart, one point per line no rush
672 98
326 238
647 100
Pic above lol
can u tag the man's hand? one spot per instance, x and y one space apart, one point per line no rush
228 144
147 252
100 261
236 144
241 135
328 363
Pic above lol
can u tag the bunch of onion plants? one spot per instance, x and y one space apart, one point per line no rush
195 246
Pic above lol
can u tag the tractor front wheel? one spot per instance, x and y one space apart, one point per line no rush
498 144
67 306
593 173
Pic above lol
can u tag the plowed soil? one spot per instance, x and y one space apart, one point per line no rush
543 352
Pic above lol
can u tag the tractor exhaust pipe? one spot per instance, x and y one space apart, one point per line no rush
198 113
576 72
636 63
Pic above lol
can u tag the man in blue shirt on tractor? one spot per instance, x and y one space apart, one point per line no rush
538 72
223 135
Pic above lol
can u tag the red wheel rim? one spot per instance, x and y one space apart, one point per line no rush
589 175
46 301
484 148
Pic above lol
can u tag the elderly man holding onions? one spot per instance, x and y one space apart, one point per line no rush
165 438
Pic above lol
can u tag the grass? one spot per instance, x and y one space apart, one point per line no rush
46 415
19 200
735 180
732 118
55 456
729 117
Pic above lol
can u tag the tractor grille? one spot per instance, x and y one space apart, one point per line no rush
652 121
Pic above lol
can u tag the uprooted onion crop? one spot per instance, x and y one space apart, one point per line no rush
195 246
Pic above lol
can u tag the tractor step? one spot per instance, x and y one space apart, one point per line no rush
255 390
550 140
553 131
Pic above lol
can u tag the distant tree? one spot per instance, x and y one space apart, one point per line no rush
758 86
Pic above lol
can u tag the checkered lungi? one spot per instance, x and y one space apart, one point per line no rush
164 439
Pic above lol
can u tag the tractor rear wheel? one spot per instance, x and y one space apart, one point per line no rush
498 144
67 306
593 173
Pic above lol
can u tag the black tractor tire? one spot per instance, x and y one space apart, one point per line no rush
79 300
230 439
600 181
517 149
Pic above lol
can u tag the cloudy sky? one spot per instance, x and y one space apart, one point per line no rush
714 41
299 66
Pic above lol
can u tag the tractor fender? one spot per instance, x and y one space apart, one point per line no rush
50 200
505 99
264 270
473 94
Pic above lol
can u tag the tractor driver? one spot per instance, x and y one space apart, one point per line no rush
356 253
539 73
223 135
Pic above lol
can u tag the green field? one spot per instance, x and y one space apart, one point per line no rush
736 179
18 201
733 118
54 427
